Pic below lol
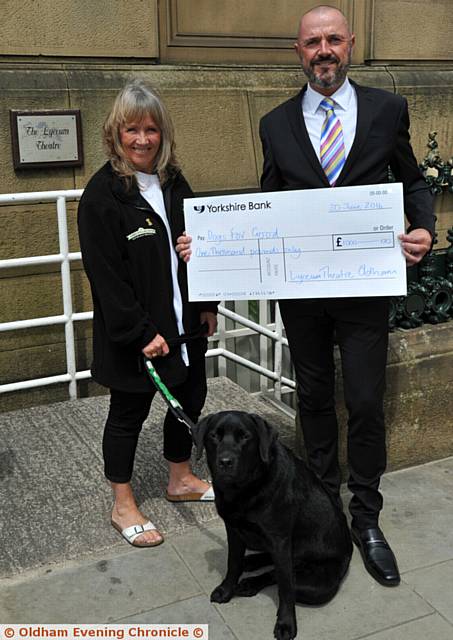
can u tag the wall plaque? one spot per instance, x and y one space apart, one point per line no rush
51 138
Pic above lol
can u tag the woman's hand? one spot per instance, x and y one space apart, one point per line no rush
183 247
157 347
211 319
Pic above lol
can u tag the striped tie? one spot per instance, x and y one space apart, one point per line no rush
332 145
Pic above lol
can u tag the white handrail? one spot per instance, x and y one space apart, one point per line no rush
251 325
39 196
67 294
64 258
230 355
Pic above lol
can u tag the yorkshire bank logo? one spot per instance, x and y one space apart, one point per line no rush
233 206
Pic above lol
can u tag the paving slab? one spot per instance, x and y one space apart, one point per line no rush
432 627
205 553
435 585
100 591
418 511
196 610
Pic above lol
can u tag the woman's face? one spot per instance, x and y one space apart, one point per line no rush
141 143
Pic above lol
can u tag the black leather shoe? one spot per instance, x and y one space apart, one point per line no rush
377 556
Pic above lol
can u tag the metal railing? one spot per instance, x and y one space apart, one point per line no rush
272 331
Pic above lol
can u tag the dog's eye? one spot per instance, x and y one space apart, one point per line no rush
243 435
213 435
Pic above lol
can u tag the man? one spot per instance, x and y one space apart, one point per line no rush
337 133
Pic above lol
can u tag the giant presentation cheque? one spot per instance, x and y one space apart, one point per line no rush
317 243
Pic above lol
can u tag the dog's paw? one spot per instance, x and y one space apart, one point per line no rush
221 594
246 588
285 630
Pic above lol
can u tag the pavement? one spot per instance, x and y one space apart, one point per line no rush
61 562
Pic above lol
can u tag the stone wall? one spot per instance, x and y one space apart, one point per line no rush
82 29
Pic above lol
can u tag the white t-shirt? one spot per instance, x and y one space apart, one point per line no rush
151 190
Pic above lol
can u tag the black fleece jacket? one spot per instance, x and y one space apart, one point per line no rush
126 257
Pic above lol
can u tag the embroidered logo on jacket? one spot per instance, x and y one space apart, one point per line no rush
140 233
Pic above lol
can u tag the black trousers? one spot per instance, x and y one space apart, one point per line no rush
127 413
360 327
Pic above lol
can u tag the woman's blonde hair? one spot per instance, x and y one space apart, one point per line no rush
134 102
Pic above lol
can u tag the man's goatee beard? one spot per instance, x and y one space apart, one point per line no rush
327 82
335 80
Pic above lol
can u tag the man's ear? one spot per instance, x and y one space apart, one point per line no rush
267 435
198 434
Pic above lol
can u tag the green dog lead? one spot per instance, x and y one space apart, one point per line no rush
171 401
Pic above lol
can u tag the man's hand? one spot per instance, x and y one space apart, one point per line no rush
211 319
415 245
183 247
157 347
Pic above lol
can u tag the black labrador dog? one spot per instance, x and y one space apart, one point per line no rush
272 503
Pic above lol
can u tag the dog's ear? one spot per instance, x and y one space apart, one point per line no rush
198 434
267 435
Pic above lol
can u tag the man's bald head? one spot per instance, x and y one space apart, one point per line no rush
321 12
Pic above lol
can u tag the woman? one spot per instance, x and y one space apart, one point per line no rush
130 217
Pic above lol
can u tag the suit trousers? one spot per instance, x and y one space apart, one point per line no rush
360 327
128 411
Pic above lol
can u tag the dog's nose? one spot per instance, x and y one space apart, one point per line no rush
225 462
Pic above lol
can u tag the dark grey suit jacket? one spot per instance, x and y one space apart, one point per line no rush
381 140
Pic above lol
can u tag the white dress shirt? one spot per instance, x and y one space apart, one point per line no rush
151 190
345 108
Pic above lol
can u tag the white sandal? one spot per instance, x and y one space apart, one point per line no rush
131 533
195 496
